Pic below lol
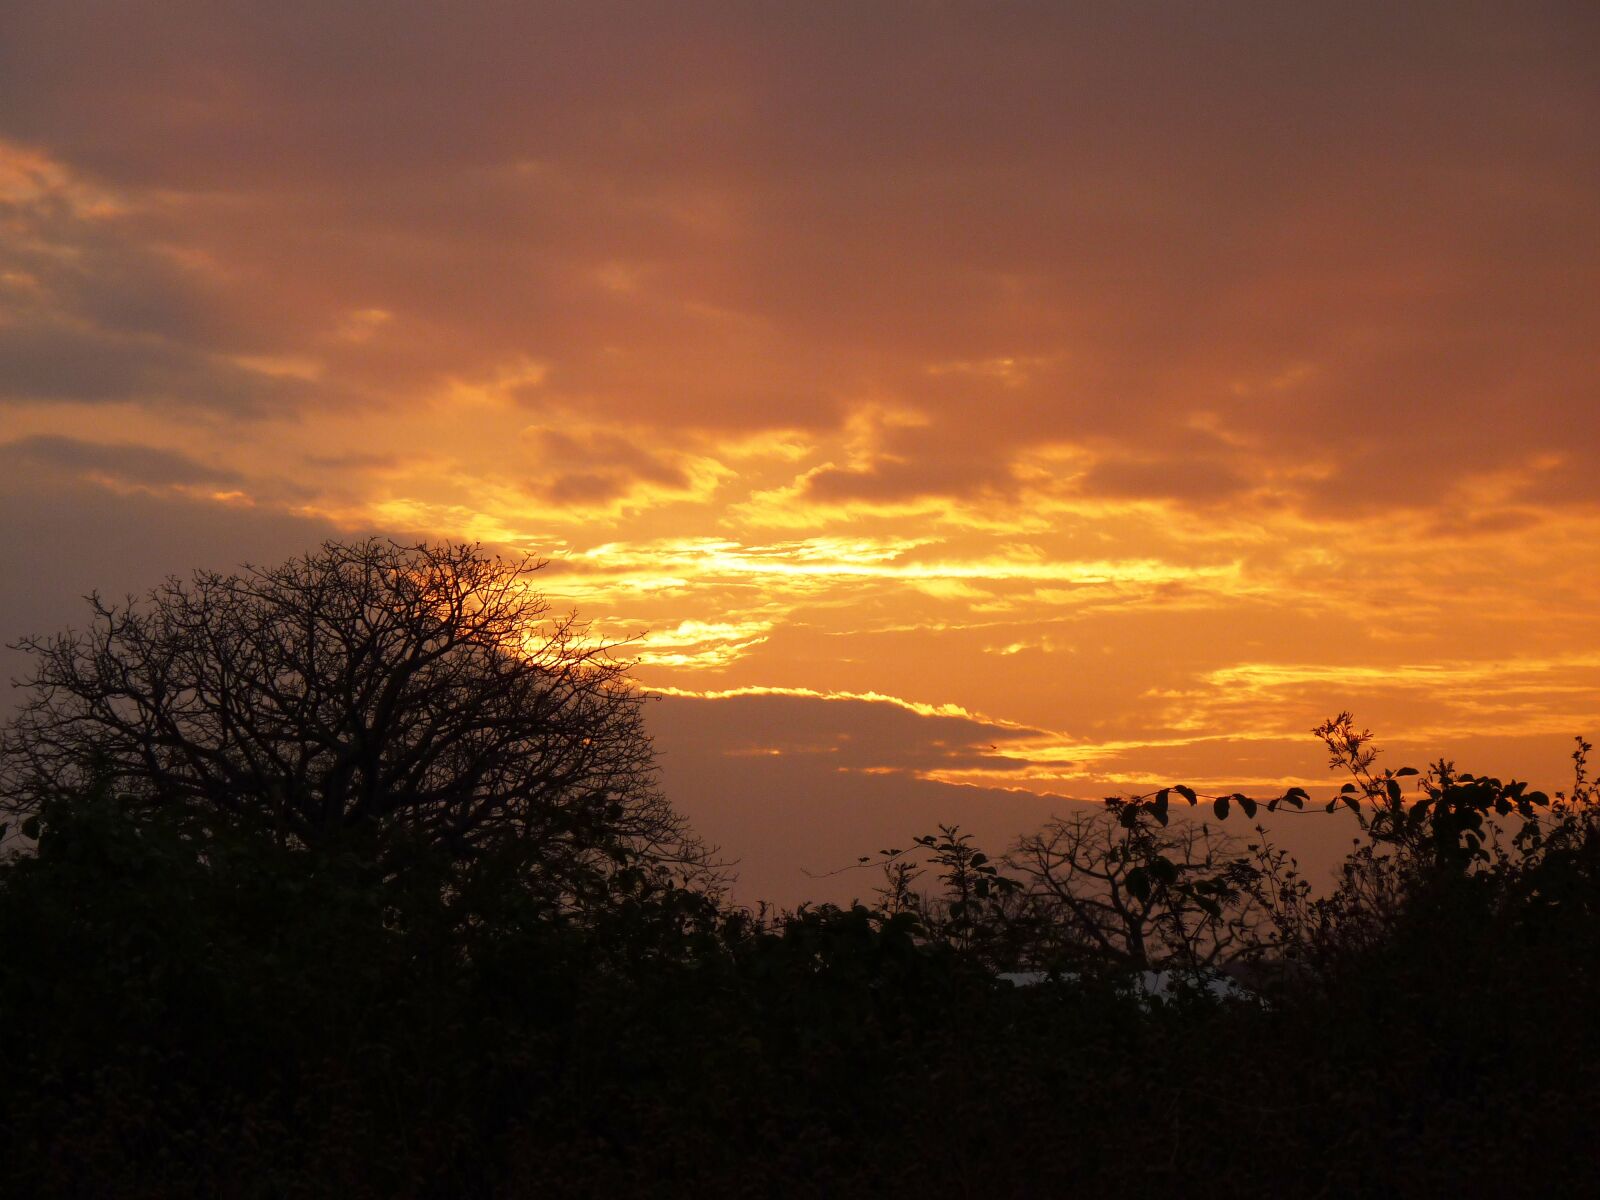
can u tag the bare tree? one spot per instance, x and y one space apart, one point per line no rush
421 691
1097 888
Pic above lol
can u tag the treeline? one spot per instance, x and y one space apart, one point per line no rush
222 1016
269 952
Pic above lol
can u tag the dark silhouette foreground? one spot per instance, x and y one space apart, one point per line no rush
201 999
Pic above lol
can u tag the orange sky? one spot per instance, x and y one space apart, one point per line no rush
973 406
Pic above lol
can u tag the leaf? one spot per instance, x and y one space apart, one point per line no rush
1220 807
979 859
1392 787
1138 883
30 828
1248 805
1187 793
1347 789
1353 804
1403 771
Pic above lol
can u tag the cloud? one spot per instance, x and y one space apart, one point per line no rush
99 309
598 467
793 783
871 733
1189 480
892 482
699 644
841 348
119 462
65 538
61 360
1059 226
796 788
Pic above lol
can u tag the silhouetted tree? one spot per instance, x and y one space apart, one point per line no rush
424 694
1097 888
1101 888
971 914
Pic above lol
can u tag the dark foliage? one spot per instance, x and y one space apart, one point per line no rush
195 1007
401 695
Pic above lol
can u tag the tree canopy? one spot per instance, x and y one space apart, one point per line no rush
421 693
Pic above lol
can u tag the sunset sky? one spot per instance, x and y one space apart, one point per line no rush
971 408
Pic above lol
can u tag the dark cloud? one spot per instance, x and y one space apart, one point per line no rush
1329 227
65 539
126 462
853 734
814 807
798 822
1490 524
100 308
355 460
61 361
598 467
584 488
895 481
1193 481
